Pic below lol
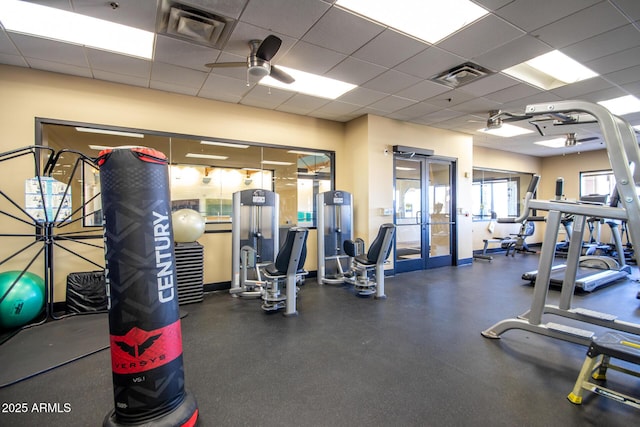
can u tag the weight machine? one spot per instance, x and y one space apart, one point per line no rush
624 156
254 239
335 220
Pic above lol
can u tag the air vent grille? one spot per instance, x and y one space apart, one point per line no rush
462 75
199 26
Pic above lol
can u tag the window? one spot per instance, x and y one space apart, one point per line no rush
597 182
497 194
203 172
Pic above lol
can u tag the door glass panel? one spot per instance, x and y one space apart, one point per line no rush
439 209
409 210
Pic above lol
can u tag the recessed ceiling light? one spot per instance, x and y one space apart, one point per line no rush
622 105
275 162
224 144
309 84
551 70
51 23
306 153
428 20
100 147
206 156
553 143
111 132
506 130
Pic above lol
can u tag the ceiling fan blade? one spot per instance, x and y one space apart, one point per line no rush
280 75
591 138
268 48
225 64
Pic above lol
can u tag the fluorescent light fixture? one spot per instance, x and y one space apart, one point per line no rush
100 147
402 168
623 105
553 143
551 70
51 23
506 130
309 84
306 153
428 20
111 132
206 156
307 173
224 144
275 162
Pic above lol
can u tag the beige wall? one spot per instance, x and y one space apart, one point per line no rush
362 167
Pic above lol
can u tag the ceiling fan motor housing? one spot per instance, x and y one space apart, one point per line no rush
258 67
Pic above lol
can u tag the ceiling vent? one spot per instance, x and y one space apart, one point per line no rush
461 75
198 26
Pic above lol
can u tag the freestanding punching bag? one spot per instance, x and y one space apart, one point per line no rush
144 318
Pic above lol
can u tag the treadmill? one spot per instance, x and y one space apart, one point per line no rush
593 270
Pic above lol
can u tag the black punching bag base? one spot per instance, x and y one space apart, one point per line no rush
186 414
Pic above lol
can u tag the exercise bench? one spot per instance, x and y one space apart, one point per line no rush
602 349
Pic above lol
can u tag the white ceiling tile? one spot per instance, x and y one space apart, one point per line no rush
476 106
579 89
173 88
139 14
530 15
415 110
16 60
480 37
223 88
355 71
121 78
58 67
423 90
342 31
450 98
50 50
429 63
336 108
439 116
581 25
362 96
622 77
514 92
290 17
183 54
181 76
489 84
390 48
604 44
119 64
515 52
265 97
311 58
391 81
492 4
604 94
302 104
6 45
630 8
615 62
391 104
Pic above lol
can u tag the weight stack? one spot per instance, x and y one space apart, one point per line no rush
190 272
140 275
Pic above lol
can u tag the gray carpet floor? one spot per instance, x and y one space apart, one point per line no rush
416 358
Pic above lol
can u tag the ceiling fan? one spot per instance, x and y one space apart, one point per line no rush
572 140
259 60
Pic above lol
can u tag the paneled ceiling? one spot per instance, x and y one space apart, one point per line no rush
391 70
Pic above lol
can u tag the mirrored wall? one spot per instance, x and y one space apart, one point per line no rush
498 193
203 172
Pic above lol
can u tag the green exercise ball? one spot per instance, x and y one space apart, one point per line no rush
22 303
188 225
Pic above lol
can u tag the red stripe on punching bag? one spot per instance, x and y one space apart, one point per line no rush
140 351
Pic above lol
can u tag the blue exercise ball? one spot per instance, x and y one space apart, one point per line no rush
22 302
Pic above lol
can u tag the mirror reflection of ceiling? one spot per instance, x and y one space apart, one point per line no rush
177 148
